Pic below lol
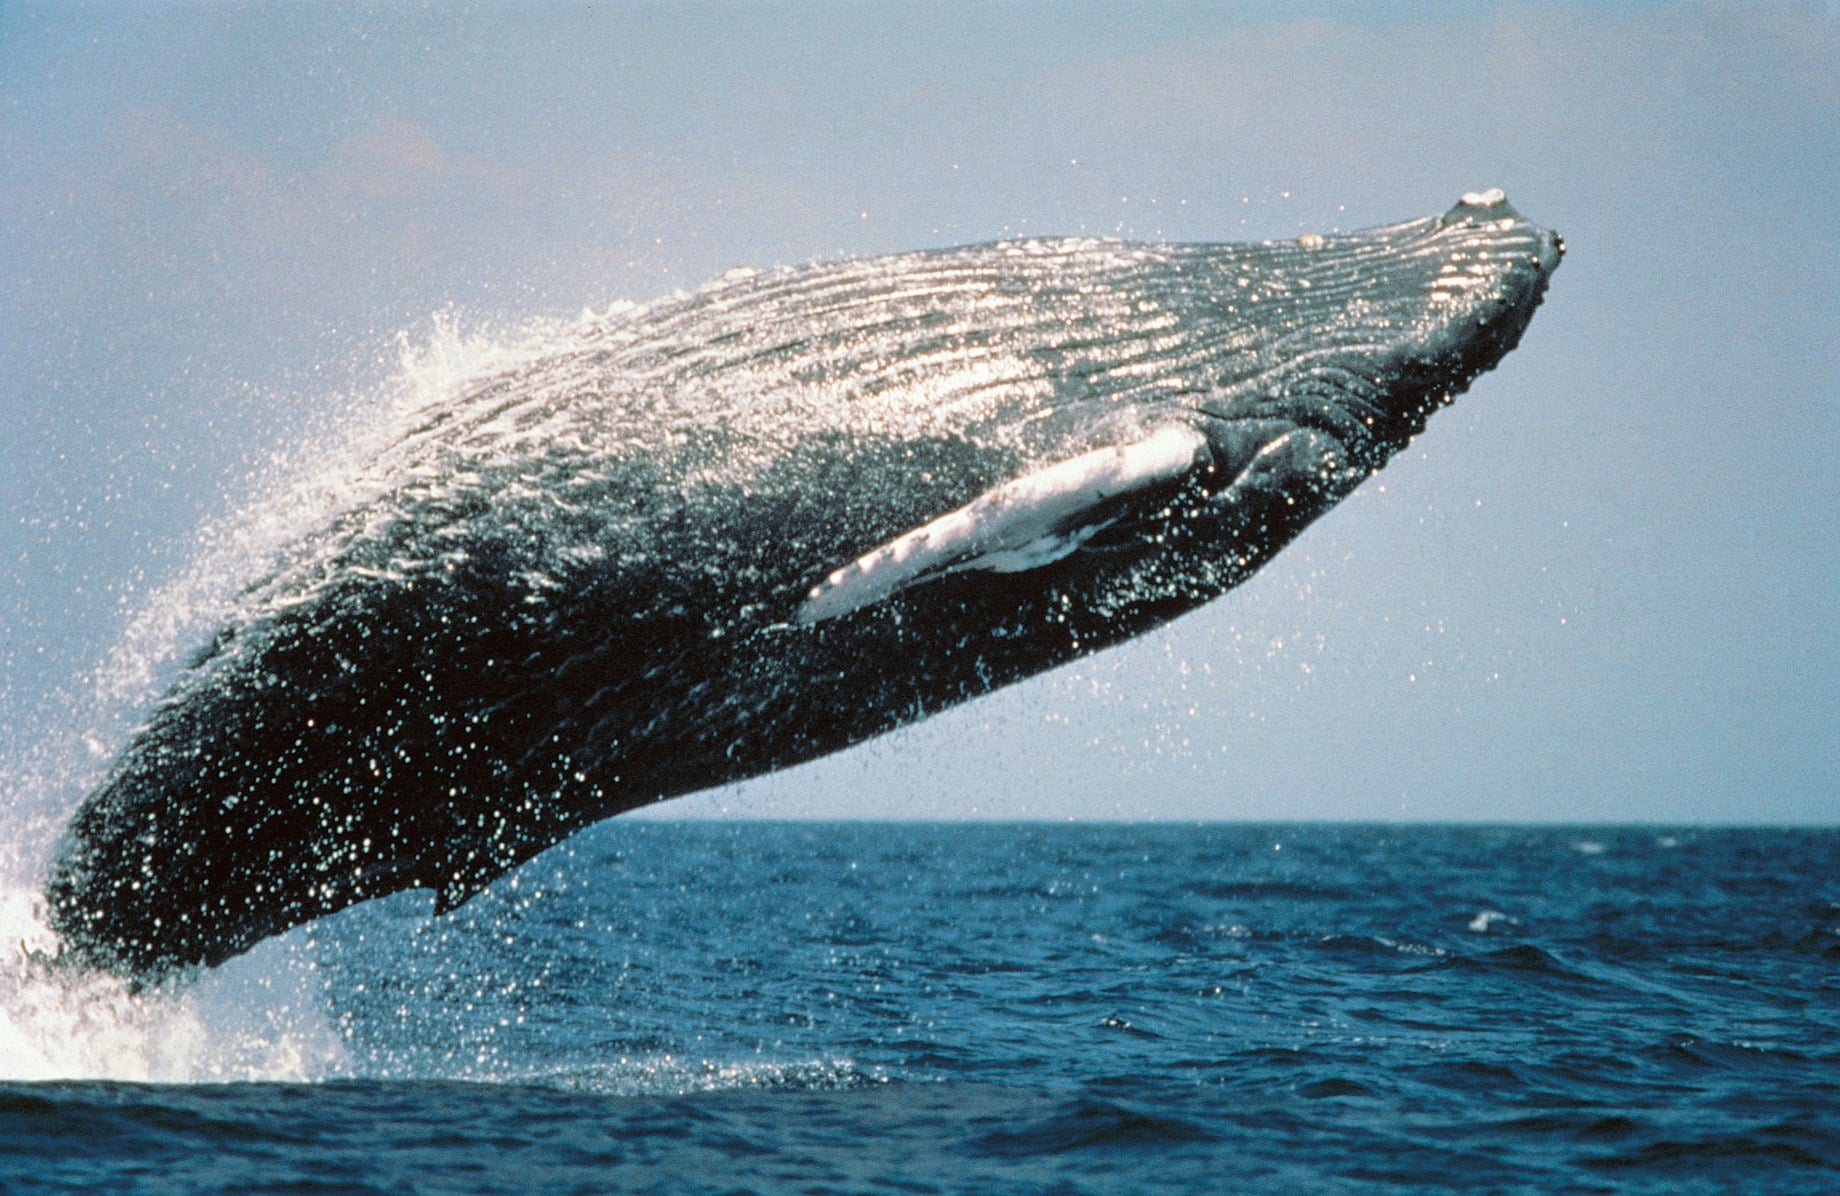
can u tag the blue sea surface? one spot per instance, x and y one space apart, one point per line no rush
860 1007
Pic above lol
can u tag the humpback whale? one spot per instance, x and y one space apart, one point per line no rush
740 528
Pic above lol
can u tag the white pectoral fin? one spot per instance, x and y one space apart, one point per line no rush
1031 521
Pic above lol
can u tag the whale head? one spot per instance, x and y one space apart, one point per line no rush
1368 333
1248 389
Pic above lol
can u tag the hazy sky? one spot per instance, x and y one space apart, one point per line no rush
1603 586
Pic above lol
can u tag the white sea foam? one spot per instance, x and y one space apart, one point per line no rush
673 1075
262 1017
259 1019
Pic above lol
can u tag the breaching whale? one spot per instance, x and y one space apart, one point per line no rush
741 528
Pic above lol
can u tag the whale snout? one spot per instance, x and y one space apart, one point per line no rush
1487 221
1400 320
1551 251
1488 268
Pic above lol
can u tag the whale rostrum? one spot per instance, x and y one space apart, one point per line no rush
738 529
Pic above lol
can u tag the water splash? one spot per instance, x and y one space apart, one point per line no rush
671 1075
263 1016
260 1020
331 467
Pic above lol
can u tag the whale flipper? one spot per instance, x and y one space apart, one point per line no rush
1022 524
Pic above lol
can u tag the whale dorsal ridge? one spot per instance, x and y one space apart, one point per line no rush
1025 523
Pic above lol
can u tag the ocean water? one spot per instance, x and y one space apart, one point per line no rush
852 1007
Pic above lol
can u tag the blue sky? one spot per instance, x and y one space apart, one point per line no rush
1602 586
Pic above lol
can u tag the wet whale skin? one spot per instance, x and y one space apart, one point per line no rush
735 530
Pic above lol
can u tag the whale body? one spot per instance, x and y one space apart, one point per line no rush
739 529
